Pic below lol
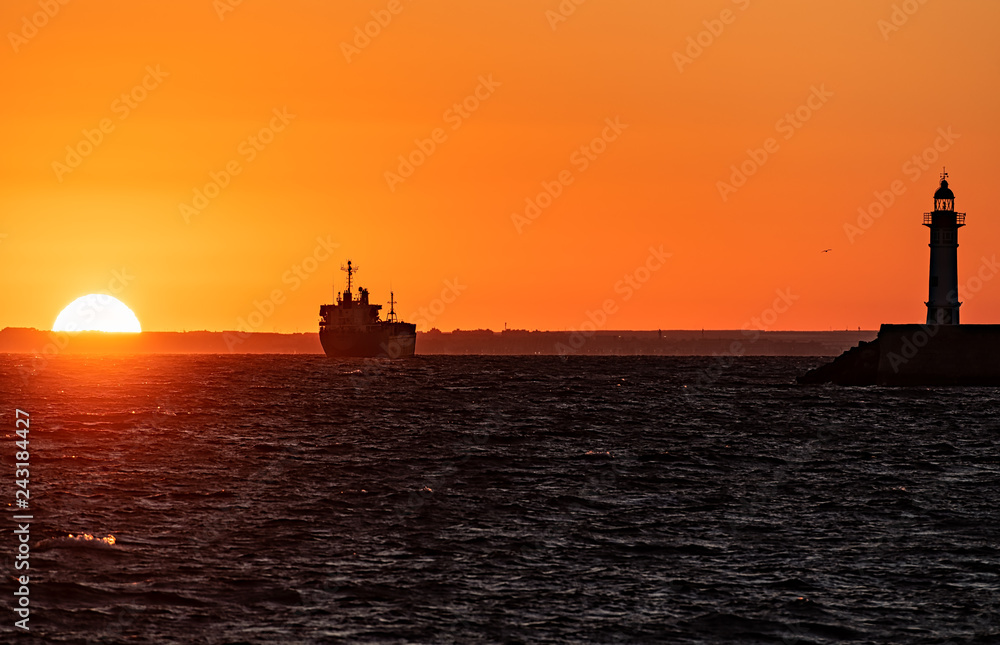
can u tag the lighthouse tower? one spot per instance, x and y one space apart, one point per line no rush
944 222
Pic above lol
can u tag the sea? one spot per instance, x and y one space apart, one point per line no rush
470 499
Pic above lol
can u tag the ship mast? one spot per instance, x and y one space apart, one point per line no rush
392 308
350 273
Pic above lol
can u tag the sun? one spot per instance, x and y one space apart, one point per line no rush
97 312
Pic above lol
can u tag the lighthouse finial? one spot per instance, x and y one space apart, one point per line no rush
944 173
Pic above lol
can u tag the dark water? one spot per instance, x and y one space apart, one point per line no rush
290 499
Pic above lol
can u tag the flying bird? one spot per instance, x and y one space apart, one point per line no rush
827 250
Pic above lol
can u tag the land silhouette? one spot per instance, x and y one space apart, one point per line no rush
511 342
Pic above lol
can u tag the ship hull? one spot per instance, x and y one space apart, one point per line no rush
388 340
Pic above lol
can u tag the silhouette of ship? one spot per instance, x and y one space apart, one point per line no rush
352 327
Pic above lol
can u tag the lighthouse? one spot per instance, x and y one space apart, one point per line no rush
944 222
940 352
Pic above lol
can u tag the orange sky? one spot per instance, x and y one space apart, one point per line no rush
547 87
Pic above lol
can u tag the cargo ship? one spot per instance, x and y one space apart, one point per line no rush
352 327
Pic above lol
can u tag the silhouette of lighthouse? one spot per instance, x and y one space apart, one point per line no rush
944 222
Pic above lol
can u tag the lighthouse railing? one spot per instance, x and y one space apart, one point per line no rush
929 218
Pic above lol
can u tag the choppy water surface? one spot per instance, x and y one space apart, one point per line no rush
509 499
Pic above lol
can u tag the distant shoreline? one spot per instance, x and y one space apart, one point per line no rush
19 340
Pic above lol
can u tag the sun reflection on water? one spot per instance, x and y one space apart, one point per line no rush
87 537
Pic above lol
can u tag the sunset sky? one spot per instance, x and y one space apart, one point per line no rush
117 115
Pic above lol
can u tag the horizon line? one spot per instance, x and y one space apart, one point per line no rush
478 329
